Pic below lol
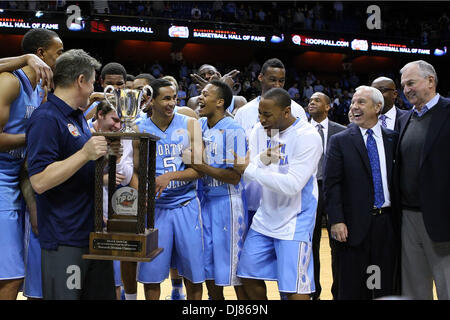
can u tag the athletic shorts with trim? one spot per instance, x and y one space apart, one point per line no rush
180 233
289 262
224 231
32 286
12 247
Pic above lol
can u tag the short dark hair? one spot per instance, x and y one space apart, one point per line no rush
146 76
223 92
37 38
71 64
279 96
130 77
157 84
272 63
113 68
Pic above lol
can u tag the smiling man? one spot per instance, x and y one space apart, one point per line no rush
283 158
223 209
273 75
357 192
424 157
177 208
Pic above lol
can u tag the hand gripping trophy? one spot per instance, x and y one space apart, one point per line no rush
129 234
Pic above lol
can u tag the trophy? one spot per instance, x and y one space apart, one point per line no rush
129 234
128 103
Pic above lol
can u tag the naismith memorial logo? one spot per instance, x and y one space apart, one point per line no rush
124 201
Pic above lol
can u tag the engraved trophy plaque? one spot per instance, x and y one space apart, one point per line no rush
129 234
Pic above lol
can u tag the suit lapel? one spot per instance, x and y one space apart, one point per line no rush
438 118
388 152
331 130
358 141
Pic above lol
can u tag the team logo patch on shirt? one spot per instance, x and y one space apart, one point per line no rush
73 130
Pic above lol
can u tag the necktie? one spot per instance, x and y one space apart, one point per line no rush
383 120
319 168
374 160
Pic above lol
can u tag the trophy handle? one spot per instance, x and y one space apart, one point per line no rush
143 91
110 89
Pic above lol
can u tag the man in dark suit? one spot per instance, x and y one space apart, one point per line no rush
357 187
318 107
390 114
423 178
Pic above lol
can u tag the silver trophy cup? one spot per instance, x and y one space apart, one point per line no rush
128 104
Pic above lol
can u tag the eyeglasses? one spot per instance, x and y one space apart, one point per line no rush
383 90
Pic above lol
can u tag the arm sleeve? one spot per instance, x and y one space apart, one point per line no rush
307 154
332 182
43 145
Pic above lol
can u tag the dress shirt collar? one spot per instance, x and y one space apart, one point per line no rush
376 131
324 123
391 113
430 104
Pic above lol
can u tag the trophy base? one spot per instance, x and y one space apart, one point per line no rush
123 246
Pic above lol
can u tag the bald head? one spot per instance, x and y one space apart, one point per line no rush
389 90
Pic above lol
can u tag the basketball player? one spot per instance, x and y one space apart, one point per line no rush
284 153
223 210
177 209
20 94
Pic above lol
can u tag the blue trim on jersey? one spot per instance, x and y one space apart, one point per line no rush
169 149
304 227
224 136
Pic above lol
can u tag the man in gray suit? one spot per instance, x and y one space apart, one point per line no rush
318 107
389 117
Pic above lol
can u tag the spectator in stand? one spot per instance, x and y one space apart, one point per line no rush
261 16
338 7
293 90
319 24
196 13
299 18
181 95
309 20
242 14
156 69
353 80
318 87
230 11
192 90
336 91
310 79
308 91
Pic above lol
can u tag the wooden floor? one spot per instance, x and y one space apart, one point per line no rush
272 288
